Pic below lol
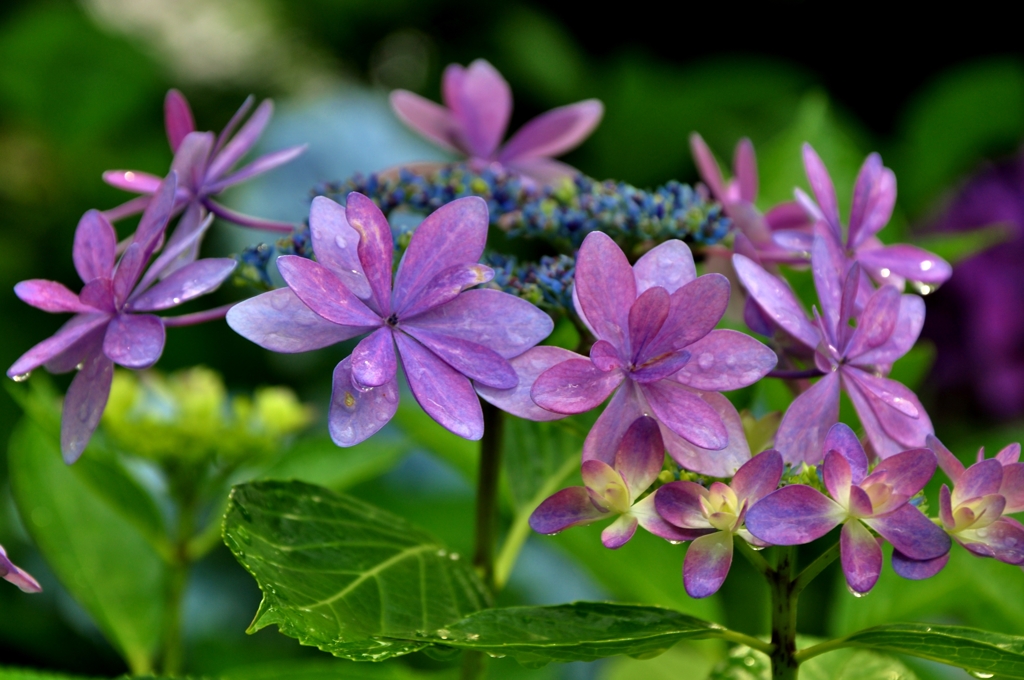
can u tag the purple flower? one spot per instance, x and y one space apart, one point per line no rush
614 491
203 164
10 572
478 104
656 351
446 335
737 196
113 320
854 358
718 514
800 514
874 196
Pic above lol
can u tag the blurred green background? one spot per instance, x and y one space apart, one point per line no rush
81 91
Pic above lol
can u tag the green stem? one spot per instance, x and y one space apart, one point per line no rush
814 569
748 640
821 648
785 665
754 557
173 653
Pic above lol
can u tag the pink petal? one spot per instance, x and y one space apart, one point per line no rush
712 462
238 218
726 360
177 118
84 403
446 286
878 211
324 293
907 261
135 340
357 414
679 503
865 193
568 508
12 574
981 479
70 359
1009 454
659 368
336 244
889 392
694 311
906 473
794 515
553 133
135 181
917 570
649 519
128 208
707 563
668 265
240 144
446 395
528 366
190 162
824 191
911 533
860 502
1012 487
830 276
776 300
50 296
646 317
574 386
891 404
54 345
281 322
263 164
605 356
797 242
542 170
758 477
434 122
946 507
908 328
707 166
188 282
877 322
375 248
949 463
606 287
148 236
838 478
373 360
482 103
807 420
840 438
471 359
603 440
182 248
95 246
1004 540
641 456
789 215
861 557
618 533
686 414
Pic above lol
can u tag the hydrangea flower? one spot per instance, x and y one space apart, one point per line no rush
11 573
718 513
203 163
799 514
874 196
446 335
114 321
614 491
853 358
737 196
478 105
657 352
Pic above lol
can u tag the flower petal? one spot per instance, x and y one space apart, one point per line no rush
281 322
776 300
838 478
263 164
190 162
50 296
375 247
908 328
132 180
949 463
603 440
135 340
907 261
452 236
865 195
57 343
542 170
336 244
472 360
758 477
646 317
679 503
911 533
694 310
242 142
1004 540
686 414
554 132
707 166
605 356
917 570
876 323
95 246
1009 455
707 563
618 533
324 293
76 353
906 473
829 267
482 101
574 386
431 120
182 247
806 422
12 574
649 519
1013 487
373 360
568 508
147 237
668 265
794 515
446 286
861 557
824 190
892 405
712 462
446 395
186 283
665 366
641 456
841 438
84 403
726 360
357 414
606 287
177 118
981 479
528 366
605 485
946 508
744 163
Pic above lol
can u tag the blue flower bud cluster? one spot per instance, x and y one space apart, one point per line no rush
547 284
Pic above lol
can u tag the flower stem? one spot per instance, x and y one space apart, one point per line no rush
814 569
784 600
753 556
172 653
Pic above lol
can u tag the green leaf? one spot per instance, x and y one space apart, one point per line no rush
342 575
976 650
99 556
845 664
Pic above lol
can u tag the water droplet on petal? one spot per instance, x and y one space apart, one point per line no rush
884 272
854 592
22 377
129 176
925 266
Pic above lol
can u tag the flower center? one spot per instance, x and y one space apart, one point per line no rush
392 320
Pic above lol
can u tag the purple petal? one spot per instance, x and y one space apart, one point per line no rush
906 473
756 319
860 504
504 323
776 300
713 462
182 248
1009 454
758 477
949 463
132 180
946 507
177 118
707 166
56 344
1004 540
542 170
821 185
679 503
840 438
357 414
660 367
646 317
891 404
568 508
324 293
240 144
128 208
259 166
281 322
686 414
434 122
794 515
861 557
482 102
453 235
694 311
668 265
50 296
799 242
135 340
907 261
838 478
574 386
745 165
603 440
70 359
446 395
911 533
726 360
375 247
786 216
649 519
1013 487
84 403
446 286
641 455
830 276
528 366
190 161
618 533
605 356
188 282
12 574
233 124
605 287
472 360
707 563
876 323
865 195
147 236
908 328
553 133
373 360
229 215
917 570
981 479
336 244
804 426
95 246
